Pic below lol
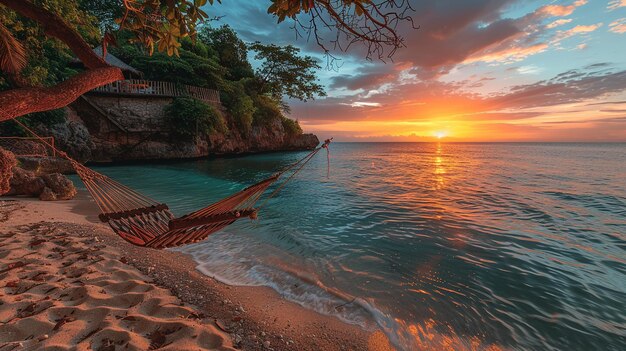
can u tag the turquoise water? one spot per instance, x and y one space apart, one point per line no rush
512 246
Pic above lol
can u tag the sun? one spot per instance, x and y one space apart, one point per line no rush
440 135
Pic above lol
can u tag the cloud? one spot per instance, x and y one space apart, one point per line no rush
614 4
618 26
558 22
557 10
427 99
511 54
364 104
577 30
366 77
451 31
584 29
560 10
569 87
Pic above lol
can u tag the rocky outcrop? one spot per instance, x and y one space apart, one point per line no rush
301 142
58 187
106 129
7 162
73 137
48 187
46 165
260 139
158 145
26 183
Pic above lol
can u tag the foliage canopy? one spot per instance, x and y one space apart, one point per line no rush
188 117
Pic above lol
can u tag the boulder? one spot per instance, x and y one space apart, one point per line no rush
73 138
47 195
46 165
48 187
7 162
301 142
59 185
25 182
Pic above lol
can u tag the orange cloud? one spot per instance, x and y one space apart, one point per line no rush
618 26
616 4
579 29
561 10
559 22
584 29
557 10
512 54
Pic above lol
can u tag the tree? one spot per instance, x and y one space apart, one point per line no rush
285 73
232 51
161 24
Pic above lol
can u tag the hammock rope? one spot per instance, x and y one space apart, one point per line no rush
143 221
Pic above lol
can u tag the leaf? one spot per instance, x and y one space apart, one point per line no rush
12 53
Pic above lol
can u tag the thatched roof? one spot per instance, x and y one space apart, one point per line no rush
114 61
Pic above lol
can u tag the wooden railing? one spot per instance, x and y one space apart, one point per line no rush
150 87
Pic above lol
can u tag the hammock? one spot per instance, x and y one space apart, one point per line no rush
142 221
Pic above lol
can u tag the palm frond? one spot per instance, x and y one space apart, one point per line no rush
12 53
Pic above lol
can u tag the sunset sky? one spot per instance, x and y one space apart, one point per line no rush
476 70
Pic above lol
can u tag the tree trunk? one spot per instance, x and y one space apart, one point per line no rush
18 102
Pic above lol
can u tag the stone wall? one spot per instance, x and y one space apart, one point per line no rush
134 114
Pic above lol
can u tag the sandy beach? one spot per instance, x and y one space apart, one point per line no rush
69 283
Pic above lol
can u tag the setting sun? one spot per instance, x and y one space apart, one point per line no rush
440 135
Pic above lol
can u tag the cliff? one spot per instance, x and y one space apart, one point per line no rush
103 128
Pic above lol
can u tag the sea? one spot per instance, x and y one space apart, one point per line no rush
458 246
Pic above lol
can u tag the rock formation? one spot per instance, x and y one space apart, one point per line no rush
48 187
134 128
7 162
58 187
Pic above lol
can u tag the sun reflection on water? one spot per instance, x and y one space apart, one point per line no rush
440 170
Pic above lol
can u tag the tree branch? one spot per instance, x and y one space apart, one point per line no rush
18 102
55 26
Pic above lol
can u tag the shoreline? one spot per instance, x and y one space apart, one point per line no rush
255 318
175 160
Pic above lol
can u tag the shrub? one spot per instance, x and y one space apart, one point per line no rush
291 127
267 110
243 112
33 120
188 117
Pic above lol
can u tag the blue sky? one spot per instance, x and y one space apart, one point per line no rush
498 70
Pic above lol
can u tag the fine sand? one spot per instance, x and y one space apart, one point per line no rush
68 283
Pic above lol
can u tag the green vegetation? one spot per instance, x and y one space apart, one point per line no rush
48 59
218 59
33 120
188 117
